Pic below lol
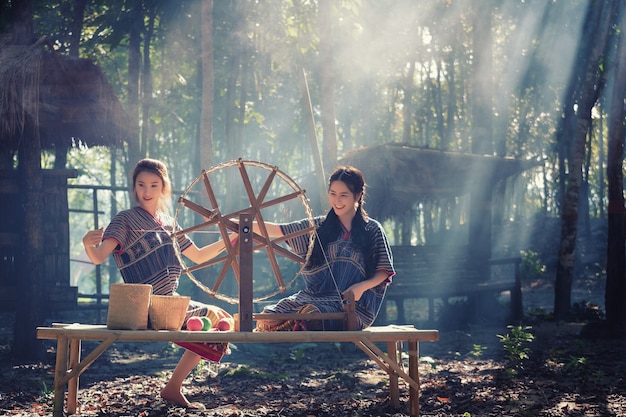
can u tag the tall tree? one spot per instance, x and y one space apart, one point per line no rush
146 80
206 117
75 29
135 23
587 85
615 291
481 132
29 313
327 96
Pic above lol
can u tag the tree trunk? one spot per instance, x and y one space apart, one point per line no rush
569 223
134 68
231 90
147 84
22 18
482 142
206 117
446 140
601 157
30 309
482 80
407 103
616 263
29 312
589 85
327 96
76 28
243 94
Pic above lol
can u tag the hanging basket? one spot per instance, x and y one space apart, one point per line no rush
128 306
167 312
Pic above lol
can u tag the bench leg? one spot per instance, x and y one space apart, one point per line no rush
394 369
60 370
392 352
68 368
414 392
72 386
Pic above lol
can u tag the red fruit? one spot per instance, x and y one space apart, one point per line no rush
194 324
224 325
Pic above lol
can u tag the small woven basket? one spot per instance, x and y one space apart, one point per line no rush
128 306
167 312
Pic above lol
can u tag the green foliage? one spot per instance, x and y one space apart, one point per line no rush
477 351
240 371
540 314
428 360
298 352
584 311
576 365
531 268
46 391
396 77
573 366
298 355
515 344
244 372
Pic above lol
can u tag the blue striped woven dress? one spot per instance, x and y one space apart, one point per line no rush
145 252
345 266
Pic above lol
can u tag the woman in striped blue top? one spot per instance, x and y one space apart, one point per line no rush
141 244
351 255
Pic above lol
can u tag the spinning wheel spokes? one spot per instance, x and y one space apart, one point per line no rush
263 192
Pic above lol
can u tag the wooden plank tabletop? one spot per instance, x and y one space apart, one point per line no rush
100 332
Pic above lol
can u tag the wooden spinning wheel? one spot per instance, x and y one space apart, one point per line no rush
213 204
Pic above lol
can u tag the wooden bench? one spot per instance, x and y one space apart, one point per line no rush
69 365
437 272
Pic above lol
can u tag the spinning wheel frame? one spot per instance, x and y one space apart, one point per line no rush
260 240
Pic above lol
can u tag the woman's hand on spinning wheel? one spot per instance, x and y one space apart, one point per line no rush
199 255
356 289
360 287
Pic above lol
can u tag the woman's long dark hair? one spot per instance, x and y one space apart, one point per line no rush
331 226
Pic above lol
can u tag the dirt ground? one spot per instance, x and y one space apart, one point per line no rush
469 372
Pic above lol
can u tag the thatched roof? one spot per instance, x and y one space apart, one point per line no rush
399 176
66 99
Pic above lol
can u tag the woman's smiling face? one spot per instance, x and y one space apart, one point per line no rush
341 199
148 190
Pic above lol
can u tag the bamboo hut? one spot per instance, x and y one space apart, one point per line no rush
400 176
54 102
65 100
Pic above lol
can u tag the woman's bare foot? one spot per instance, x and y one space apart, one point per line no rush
178 398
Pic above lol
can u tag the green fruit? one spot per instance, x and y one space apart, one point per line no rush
206 324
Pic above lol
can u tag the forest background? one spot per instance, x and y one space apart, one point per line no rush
206 82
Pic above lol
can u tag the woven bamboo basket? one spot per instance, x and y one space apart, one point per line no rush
167 312
128 306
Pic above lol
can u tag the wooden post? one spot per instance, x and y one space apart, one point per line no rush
414 392
72 386
245 273
349 307
60 369
394 391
